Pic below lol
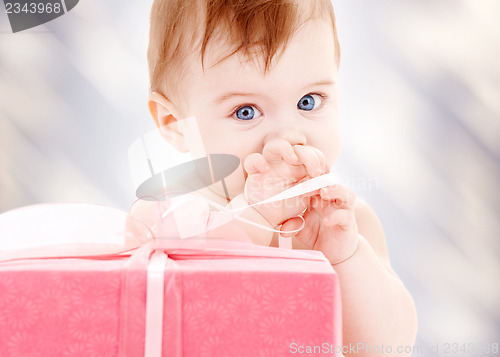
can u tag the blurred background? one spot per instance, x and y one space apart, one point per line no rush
420 107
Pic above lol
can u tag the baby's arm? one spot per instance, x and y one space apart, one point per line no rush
376 307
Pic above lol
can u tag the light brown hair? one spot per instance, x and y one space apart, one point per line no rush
257 28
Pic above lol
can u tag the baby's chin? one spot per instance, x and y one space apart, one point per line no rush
218 194
231 190
232 186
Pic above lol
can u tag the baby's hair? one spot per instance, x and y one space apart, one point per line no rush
257 28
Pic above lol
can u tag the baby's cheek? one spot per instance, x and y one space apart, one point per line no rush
331 148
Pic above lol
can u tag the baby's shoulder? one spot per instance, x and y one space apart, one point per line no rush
366 218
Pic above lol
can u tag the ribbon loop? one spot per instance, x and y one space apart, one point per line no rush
174 217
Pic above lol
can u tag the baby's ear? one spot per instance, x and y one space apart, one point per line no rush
167 121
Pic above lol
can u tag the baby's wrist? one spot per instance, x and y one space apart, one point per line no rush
349 255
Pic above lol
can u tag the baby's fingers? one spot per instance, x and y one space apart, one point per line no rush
340 196
289 227
341 217
307 235
279 149
255 163
313 160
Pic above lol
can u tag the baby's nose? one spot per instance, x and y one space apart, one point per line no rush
289 132
294 136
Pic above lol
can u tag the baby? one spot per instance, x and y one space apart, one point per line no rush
257 79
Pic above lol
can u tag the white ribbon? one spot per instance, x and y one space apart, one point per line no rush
230 214
154 304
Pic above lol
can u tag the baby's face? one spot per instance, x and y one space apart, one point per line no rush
238 110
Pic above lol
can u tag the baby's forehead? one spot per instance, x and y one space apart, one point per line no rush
308 62
222 55
252 58
256 40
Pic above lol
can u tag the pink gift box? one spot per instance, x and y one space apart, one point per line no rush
219 299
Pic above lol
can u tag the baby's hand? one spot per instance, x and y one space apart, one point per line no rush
281 166
330 225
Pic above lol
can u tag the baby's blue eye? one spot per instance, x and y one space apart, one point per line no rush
248 112
308 101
